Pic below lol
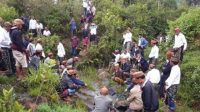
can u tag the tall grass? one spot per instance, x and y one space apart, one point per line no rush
89 76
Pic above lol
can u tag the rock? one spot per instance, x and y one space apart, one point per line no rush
32 106
103 74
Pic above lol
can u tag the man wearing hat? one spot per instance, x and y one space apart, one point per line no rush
18 49
172 83
180 44
153 56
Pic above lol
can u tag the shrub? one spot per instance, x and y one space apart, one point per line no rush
189 24
7 13
58 108
8 102
42 83
50 43
190 79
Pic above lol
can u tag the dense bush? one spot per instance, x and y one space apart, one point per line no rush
190 79
50 43
42 83
190 26
7 13
8 102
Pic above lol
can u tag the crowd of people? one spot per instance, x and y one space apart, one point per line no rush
145 82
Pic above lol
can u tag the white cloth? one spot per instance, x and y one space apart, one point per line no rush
32 24
154 52
153 76
39 26
5 38
46 33
1 34
117 57
31 49
60 50
40 48
85 3
127 37
180 40
125 55
93 30
93 10
174 77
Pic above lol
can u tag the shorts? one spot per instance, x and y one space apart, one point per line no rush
20 59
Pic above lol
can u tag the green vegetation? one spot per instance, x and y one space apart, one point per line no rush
7 13
148 17
58 108
8 103
42 83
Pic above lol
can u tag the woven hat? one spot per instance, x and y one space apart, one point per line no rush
18 22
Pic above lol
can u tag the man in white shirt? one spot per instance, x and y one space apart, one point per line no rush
93 32
39 28
127 39
180 44
153 55
153 75
60 52
172 83
85 5
5 45
117 56
39 47
46 32
126 55
32 26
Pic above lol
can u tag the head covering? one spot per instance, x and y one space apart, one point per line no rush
50 54
18 22
39 40
116 64
69 67
169 54
138 74
7 24
70 72
177 29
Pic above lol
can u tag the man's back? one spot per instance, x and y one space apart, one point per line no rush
102 103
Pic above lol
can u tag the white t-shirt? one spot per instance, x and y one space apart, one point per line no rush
93 30
154 52
127 37
39 47
153 76
180 40
39 26
60 50
85 3
174 77
32 24
46 33
127 56
4 38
